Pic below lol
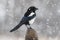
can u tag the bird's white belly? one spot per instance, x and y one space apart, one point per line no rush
32 21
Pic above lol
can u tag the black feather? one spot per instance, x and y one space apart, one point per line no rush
15 28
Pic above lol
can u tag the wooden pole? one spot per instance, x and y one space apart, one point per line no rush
31 34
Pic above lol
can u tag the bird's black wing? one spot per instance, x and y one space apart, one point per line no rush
24 19
27 14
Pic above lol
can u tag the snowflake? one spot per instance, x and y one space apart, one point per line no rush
58 11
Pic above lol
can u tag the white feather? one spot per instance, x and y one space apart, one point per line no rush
32 20
31 14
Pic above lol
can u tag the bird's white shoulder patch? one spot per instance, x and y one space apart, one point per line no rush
31 14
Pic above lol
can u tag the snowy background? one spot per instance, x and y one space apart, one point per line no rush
47 23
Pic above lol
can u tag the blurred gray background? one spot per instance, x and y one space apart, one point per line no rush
47 23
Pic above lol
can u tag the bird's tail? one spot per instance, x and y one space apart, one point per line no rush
15 28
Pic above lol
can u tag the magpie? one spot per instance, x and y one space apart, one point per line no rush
28 18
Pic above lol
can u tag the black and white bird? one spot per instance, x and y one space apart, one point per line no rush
28 18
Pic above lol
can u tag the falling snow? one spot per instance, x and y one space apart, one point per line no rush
47 23
58 11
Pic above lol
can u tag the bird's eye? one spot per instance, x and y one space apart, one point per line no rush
29 9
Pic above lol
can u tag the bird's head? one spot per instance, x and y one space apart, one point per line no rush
32 9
